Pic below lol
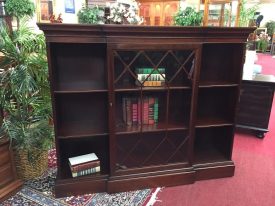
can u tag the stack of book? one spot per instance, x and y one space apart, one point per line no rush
156 79
84 164
136 112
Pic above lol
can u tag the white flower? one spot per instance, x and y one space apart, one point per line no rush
120 13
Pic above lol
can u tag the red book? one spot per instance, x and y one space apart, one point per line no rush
145 110
139 111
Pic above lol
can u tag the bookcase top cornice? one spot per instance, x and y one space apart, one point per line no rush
120 33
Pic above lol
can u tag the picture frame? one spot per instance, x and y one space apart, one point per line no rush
69 6
45 9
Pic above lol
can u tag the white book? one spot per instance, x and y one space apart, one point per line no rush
82 159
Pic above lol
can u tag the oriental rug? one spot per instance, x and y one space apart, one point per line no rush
39 191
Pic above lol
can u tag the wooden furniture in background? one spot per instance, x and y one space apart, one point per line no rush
158 13
220 14
9 184
92 68
256 104
45 9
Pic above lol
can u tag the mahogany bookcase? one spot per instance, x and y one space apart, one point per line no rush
92 68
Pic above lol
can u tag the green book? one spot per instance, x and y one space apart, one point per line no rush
156 110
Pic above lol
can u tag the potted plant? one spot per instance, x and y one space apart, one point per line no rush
19 9
246 13
94 15
25 99
270 26
188 17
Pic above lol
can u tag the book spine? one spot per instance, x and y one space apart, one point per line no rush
151 110
124 110
86 172
85 166
139 111
128 111
156 110
145 111
135 111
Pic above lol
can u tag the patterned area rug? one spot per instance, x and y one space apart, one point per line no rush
39 192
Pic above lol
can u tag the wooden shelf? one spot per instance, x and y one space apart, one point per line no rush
80 91
217 84
203 122
82 135
213 144
209 155
94 70
152 89
150 128
65 173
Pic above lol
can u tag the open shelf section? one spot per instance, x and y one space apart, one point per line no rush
221 63
141 150
79 67
74 112
213 144
212 122
216 106
179 107
82 146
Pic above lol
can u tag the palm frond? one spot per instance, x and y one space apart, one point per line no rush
25 92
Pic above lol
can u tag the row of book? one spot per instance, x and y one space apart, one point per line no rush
150 77
84 165
137 112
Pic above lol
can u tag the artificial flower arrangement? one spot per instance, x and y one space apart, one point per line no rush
262 41
121 13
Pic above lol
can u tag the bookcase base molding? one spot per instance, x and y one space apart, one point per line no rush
143 181
155 105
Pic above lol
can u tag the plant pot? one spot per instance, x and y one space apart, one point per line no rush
30 165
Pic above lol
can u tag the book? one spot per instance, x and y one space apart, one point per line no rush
146 110
137 111
151 110
128 111
86 172
85 166
134 111
156 110
82 159
150 77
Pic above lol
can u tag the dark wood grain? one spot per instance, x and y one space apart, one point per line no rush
92 68
9 184
255 105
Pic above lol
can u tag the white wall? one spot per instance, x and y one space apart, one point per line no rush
268 11
67 17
